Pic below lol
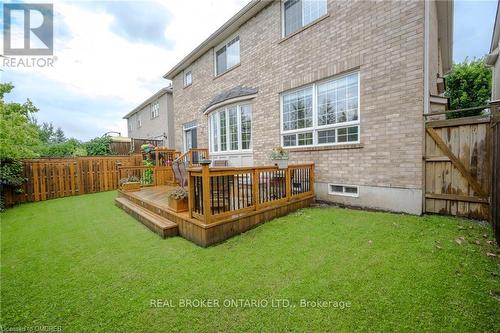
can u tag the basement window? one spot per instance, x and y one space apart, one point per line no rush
345 190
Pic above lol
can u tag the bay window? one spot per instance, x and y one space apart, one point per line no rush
323 113
230 129
299 13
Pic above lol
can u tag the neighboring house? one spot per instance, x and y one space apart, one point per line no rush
153 119
492 58
343 84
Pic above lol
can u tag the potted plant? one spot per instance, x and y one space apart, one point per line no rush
178 200
130 184
280 157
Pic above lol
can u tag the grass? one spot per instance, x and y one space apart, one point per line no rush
83 264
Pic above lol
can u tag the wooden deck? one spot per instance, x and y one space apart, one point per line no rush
150 207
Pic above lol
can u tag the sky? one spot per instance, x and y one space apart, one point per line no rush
111 55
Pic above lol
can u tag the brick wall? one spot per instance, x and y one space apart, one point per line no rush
384 40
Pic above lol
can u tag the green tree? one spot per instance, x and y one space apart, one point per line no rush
468 85
99 146
19 136
46 132
59 136
70 147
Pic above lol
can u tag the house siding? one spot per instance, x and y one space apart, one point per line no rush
157 127
384 41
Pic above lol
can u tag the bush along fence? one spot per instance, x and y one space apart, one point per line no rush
52 178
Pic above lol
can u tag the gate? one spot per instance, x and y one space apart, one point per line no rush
458 167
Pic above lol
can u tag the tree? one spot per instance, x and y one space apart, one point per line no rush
59 136
70 147
99 146
19 136
46 132
468 85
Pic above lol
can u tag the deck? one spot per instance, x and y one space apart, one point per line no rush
222 201
149 206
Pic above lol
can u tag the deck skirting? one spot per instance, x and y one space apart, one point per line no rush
208 234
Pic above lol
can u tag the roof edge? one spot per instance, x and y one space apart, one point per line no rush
445 32
158 94
247 12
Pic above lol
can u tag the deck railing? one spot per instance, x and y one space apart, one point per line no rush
220 193
148 175
193 156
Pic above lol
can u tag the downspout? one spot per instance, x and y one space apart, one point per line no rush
426 55
426 92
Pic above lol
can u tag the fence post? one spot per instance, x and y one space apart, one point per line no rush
495 167
205 176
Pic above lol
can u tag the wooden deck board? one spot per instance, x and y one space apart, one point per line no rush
155 199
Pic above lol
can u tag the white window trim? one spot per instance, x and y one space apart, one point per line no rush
184 130
139 121
315 128
228 151
283 35
153 114
218 47
187 70
344 194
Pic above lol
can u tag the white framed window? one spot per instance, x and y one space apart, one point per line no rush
155 109
230 129
139 121
299 13
188 77
227 55
345 190
324 113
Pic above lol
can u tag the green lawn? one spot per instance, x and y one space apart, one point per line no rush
83 264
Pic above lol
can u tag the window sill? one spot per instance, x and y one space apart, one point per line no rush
323 148
232 152
307 26
227 71
189 85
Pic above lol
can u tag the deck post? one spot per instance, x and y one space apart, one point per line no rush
255 188
311 178
288 184
205 175
190 195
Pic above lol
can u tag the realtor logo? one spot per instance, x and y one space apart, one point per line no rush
28 29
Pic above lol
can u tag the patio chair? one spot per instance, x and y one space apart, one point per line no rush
180 172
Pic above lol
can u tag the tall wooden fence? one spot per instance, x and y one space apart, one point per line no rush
134 146
55 178
458 167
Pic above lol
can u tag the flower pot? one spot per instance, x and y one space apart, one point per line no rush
131 187
178 205
282 163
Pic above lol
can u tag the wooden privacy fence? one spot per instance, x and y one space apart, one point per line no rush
458 167
134 146
55 178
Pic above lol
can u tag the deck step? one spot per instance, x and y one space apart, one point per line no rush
160 225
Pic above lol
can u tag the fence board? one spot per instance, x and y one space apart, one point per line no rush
56 178
457 168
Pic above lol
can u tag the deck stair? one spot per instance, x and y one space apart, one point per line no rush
159 224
